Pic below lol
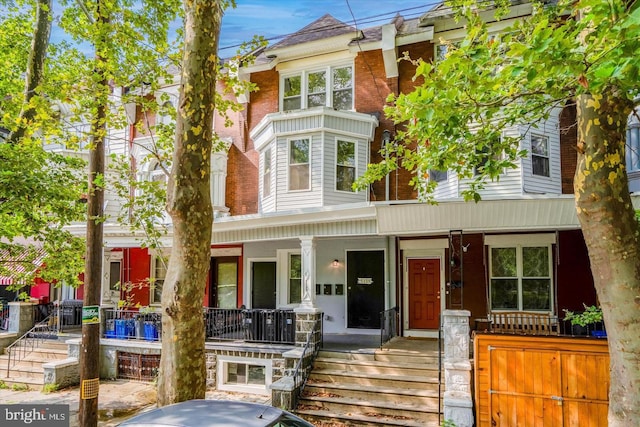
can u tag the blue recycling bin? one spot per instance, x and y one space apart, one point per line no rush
110 329
121 328
150 331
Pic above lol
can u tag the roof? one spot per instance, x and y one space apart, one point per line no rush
15 265
322 28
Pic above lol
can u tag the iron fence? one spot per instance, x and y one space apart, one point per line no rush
254 325
132 324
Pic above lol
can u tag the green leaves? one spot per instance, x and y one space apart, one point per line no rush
489 82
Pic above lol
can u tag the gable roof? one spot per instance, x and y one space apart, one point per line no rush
322 28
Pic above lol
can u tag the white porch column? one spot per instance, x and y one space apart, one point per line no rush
308 245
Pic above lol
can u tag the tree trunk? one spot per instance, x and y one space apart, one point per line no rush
182 365
611 233
35 67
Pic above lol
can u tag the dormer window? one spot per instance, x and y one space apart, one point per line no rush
326 87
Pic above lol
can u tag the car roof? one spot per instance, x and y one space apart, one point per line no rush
207 413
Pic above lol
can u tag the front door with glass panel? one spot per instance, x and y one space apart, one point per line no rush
224 282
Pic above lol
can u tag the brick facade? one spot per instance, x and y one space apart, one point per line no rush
568 143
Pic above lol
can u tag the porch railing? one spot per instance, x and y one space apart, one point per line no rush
304 364
30 341
221 324
254 325
388 325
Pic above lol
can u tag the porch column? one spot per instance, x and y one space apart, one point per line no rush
458 405
308 245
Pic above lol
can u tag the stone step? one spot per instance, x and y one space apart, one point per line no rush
417 397
324 417
376 367
373 380
38 354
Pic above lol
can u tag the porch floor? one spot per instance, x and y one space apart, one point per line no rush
363 343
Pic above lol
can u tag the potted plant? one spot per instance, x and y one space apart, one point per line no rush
588 320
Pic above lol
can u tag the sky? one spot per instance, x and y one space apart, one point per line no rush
274 19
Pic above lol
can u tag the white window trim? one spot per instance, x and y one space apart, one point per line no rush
268 151
335 172
282 273
519 273
110 295
308 138
548 156
155 253
304 85
222 369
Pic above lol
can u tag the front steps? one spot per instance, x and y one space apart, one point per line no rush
29 371
382 388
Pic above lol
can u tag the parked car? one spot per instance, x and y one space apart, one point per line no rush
216 413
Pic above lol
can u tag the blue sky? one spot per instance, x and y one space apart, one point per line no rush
277 18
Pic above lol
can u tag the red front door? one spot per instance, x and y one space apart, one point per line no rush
424 293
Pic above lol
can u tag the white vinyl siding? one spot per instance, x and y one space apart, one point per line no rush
267 198
537 184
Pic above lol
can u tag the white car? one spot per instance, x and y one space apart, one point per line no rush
216 413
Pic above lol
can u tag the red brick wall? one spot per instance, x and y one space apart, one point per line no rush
242 165
568 142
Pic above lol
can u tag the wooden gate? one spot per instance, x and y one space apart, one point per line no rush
540 381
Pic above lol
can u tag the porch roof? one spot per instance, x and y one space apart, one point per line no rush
524 214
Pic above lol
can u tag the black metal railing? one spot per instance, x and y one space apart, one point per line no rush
389 320
221 324
132 324
304 365
254 325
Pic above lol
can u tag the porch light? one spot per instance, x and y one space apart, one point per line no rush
336 263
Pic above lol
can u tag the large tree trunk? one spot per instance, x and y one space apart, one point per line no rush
35 67
611 233
182 365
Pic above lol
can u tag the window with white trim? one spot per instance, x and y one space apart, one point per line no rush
520 278
295 278
244 374
540 155
345 165
157 277
299 164
266 174
329 86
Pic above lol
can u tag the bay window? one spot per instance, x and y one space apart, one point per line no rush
299 171
345 165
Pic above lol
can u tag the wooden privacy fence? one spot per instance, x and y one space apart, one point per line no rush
540 381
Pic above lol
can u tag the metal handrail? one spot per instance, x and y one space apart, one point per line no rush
302 369
388 325
28 342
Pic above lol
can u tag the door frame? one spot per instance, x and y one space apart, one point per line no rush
421 249
248 290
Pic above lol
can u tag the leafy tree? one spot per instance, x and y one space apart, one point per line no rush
40 191
582 53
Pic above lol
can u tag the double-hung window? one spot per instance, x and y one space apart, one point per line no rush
540 155
328 86
520 278
158 275
266 174
345 165
299 165
295 278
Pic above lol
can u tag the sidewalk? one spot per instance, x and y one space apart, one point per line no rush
117 401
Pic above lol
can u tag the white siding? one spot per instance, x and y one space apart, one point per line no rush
331 196
447 189
536 184
267 204
288 200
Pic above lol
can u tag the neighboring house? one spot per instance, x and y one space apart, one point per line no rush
290 231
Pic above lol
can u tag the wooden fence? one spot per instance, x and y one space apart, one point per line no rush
540 381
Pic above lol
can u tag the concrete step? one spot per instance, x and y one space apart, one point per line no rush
324 417
16 380
329 354
376 367
373 380
388 395
39 354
